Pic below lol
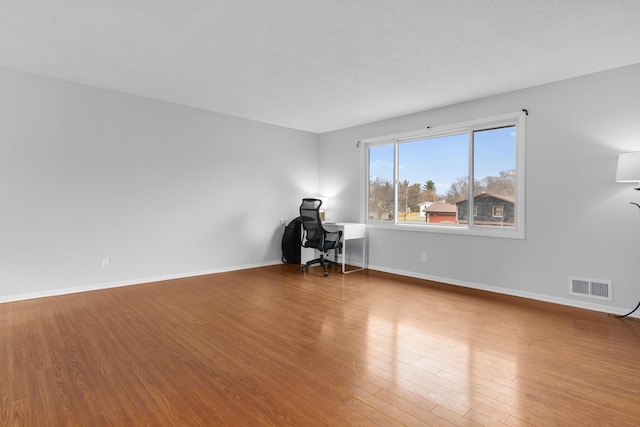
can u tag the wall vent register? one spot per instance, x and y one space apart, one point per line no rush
600 289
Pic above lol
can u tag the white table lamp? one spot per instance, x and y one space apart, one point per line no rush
629 168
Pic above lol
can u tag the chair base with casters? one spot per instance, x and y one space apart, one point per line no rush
322 261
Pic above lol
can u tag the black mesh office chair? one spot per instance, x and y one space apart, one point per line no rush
315 236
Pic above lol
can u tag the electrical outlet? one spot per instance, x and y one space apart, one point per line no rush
106 263
423 257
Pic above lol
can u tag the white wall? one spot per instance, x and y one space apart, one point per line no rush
578 220
162 190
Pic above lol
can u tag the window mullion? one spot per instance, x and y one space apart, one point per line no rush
396 177
470 190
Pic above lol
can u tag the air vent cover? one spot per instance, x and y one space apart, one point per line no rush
592 288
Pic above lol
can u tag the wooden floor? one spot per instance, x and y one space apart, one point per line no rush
270 346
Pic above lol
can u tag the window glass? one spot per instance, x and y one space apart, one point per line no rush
494 166
432 175
381 177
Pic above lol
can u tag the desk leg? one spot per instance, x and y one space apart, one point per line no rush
344 257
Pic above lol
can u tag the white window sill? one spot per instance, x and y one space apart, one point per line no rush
488 231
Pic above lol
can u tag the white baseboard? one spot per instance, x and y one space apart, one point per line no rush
530 295
98 286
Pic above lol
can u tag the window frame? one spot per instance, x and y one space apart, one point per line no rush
511 119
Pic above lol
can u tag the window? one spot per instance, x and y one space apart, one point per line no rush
432 180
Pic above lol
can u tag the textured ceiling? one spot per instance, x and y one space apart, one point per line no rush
317 65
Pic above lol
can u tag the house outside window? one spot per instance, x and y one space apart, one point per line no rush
420 180
491 210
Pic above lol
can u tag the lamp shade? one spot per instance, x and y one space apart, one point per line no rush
628 167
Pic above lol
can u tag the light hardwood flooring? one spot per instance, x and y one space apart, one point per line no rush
270 346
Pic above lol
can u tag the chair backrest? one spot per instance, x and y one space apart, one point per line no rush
314 233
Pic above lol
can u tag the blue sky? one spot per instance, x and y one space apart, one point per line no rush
445 159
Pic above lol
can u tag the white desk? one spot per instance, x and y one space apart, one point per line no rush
350 231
